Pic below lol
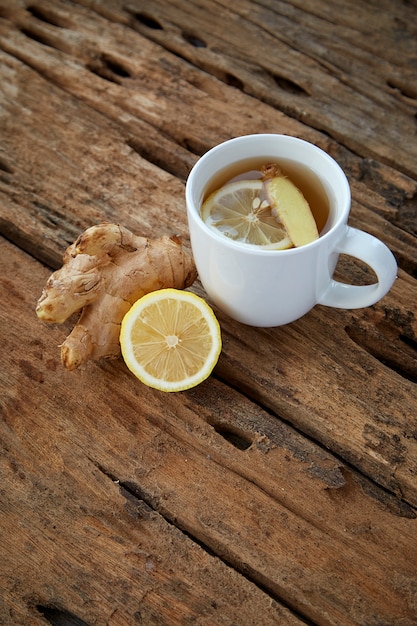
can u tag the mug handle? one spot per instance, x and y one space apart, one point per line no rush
380 259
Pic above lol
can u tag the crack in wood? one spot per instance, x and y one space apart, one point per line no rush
46 15
5 167
135 495
396 351
164 152
146 19
407 90
108 68
236 437
334 477
35 35
193 40
289 86
60 617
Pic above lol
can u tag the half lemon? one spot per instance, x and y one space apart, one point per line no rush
241 211
170 339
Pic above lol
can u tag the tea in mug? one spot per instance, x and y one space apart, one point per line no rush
273 204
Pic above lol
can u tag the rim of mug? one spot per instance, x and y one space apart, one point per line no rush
253 248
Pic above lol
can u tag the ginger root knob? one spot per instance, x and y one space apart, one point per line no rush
104 272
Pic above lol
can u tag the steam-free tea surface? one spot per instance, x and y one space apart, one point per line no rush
304 179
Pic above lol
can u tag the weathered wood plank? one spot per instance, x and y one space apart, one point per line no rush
72 538
104 178
348 398
97 433
95 179
92 113
72 169
364 25
320 71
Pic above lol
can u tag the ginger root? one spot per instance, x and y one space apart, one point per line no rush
104 272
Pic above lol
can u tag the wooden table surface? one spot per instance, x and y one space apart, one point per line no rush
282 490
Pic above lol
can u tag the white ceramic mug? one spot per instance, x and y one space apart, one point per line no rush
274 287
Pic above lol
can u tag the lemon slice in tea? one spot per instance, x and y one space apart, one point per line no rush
241 211
170 339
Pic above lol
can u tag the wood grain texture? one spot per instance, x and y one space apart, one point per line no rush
346 70
160 118
109 490
283 489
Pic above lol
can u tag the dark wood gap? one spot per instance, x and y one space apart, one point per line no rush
409 341
146 20
5 167
108 68
289 86
237 439
193 40
45 15
387 353
160 157
36 36
59 617
115 66
402 88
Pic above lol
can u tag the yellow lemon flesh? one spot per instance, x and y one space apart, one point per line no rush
170 339
241 211
293 210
